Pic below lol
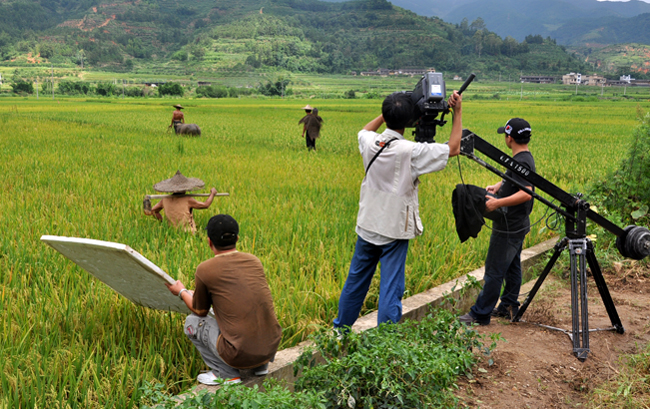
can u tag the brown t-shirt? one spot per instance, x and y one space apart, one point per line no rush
179 212
235 285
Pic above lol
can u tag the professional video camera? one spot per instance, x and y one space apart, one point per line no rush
430 99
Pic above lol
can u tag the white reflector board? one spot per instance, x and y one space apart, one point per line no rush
123 269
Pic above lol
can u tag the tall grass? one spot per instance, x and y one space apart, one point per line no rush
81 168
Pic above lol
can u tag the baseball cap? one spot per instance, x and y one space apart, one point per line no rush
517 128
222 230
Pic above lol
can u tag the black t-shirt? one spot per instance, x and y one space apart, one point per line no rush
516 222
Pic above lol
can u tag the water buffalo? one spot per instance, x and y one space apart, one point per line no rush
187 129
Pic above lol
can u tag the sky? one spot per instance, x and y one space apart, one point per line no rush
647 1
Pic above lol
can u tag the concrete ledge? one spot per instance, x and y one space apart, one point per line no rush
413 308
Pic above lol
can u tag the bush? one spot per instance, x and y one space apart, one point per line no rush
627 190
170 88
106 89
21 86
212 91
349 94
74 88
277 88
133 92
410 365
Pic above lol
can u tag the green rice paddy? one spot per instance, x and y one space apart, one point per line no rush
75 167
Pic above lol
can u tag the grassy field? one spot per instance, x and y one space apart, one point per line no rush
80 167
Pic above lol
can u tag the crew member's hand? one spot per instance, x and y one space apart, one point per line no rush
176 287
213 191
491 203
492 189
455 100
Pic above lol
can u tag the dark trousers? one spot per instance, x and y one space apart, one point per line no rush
311 143
503 262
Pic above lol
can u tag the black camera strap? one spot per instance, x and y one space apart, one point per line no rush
384 146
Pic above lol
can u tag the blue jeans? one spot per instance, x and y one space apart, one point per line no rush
392 257
503 262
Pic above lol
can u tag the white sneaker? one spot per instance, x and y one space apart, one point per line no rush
210 378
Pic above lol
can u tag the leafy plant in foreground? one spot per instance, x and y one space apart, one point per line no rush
411 365
274 396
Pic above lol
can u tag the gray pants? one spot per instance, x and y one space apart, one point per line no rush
203 332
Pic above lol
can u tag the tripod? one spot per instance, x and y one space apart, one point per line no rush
581 252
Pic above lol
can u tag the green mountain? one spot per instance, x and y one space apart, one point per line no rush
605 31
295 35
519 18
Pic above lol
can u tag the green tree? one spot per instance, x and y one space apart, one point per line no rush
277 88
171 88
106 88
46 50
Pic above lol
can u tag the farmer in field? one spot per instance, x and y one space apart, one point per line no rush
178 207
388 208
503 261
311 126
177 117
244 332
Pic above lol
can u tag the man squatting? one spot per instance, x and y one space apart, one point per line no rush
244 332
388 207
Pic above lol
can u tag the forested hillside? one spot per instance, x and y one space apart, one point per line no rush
565 20
294 35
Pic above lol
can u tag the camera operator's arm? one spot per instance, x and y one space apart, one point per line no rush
455 102
374 124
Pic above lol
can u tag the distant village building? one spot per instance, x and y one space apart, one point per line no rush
353 73
204 84
626 78
458 78
571 78
537 79
616 83
640 83
593 80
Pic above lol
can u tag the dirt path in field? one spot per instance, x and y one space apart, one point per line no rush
535 367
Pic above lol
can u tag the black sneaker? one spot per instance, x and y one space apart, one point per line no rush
468 319
508 312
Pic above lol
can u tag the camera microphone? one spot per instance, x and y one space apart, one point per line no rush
466 83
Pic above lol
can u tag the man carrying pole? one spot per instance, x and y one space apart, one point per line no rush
179 205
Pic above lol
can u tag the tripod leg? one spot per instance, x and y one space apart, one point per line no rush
559 246
602 289
579 314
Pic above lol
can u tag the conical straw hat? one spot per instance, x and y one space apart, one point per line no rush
179 184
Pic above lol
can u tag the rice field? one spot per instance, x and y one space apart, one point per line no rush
76 167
